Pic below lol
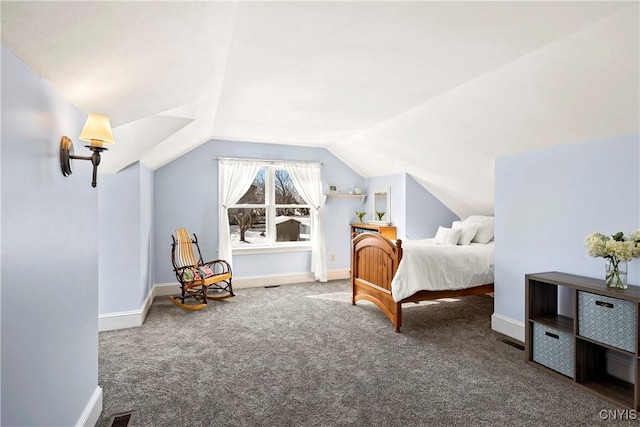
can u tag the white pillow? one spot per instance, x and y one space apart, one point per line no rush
447 236
486 230
468 231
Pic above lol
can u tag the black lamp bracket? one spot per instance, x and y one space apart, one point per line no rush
66 155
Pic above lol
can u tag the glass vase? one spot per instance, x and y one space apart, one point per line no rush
616 273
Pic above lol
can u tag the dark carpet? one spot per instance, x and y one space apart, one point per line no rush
277 357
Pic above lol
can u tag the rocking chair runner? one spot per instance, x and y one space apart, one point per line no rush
198 280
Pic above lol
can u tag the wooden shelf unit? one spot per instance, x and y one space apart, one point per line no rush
589 357
388 231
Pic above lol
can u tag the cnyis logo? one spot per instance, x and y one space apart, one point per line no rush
618 414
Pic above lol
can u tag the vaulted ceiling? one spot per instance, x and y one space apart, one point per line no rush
434 89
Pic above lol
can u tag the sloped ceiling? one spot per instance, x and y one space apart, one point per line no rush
435 89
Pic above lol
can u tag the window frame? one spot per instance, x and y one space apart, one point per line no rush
270 207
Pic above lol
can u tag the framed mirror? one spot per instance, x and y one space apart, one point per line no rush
380 202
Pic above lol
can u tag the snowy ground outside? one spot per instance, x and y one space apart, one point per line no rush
252 237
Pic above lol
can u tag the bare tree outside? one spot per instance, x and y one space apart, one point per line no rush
285 190
246 218
287 194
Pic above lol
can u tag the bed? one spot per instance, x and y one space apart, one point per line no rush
389 274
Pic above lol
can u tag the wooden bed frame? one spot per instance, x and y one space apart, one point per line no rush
374 262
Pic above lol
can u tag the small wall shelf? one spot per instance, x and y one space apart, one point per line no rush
362 197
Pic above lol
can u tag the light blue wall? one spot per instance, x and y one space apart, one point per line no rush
126 237
547 201
49 257
186 195
119 206
415 212
397 188
425 213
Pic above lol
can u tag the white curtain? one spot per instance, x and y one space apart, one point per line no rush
308 181
234 179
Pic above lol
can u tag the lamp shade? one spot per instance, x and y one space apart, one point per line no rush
97 130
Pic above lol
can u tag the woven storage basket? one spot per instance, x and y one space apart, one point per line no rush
607 320
554 349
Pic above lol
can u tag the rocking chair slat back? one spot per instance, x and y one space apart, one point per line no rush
184 255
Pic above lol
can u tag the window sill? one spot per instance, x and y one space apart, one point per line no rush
270 249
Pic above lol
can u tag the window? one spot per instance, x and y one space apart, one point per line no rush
271 214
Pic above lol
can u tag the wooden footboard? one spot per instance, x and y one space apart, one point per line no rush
374 262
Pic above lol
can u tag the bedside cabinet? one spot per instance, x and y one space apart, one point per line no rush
388 231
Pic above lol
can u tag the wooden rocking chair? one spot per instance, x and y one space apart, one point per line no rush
198 280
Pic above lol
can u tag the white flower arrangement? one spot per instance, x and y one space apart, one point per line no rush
615 246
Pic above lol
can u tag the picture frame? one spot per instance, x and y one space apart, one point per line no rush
333 189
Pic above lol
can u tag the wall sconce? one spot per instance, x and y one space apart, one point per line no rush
97 132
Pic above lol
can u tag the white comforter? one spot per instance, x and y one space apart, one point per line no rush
426 266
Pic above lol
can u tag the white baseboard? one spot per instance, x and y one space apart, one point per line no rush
507 326
271 280
92 410
276 280
165 289
125 319
146 305
135 318
119 320
345 273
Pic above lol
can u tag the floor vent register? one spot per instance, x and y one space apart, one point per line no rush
121 420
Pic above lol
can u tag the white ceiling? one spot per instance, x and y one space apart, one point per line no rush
435 89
